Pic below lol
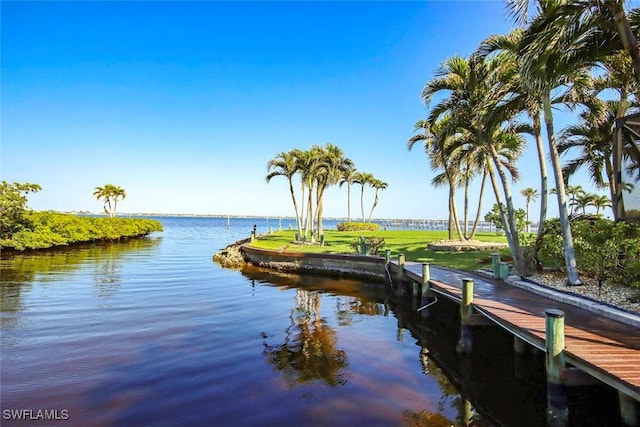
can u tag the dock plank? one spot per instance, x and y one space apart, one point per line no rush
604 348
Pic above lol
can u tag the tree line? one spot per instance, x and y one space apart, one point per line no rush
572 54
317 169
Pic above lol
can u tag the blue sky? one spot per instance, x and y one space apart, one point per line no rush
183 103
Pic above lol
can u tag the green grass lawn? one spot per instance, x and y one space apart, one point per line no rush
412 243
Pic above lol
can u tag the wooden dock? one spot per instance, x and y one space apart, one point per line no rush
603 348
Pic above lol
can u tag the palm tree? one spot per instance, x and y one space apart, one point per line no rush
378 185
118 193
529 195
592 137
307 165
348 178
544 68
600 201
582 201
436 144
524 99
332 165
363 178
285 164
110 193
476 90
582 31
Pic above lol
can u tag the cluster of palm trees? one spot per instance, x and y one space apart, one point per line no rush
111 194
579 199
319 168
509 87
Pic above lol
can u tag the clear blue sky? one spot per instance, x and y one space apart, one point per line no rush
182 104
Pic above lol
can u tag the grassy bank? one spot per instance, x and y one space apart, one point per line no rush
48 229
412 243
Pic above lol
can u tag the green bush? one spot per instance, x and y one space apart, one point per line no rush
373 245
604 249
47 229
357 226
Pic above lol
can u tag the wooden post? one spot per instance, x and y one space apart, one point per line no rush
495 264
557 408
519 345
401 260
628 410
400 275
426 276
465 345
415 289
425 289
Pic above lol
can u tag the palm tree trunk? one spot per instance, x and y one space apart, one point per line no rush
466 203
569 255
626 35
543 179
375 203
295 207
456 222
362 201
348 202
320 209
309 227
511 215
479 210
503 215
451 219
303 214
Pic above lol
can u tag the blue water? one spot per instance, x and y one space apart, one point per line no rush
151 332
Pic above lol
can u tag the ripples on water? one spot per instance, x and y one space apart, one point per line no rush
152 332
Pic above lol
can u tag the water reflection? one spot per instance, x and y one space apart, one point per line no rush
21 271
309 350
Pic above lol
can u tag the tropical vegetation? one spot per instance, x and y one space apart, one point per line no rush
317 169
23 228
111 194
579 55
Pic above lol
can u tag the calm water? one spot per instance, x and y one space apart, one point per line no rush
151 332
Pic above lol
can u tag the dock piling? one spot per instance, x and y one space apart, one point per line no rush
465 345
495 264
557 407
628 410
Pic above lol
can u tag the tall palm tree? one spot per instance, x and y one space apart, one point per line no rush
529 194
583 31
582 201
110 194
600 201
592 137
308 165
436 143
526 99
475 87
378 185
363 178
545 67
348 178
118 193
332 166
285 164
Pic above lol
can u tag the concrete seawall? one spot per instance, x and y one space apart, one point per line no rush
357 266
